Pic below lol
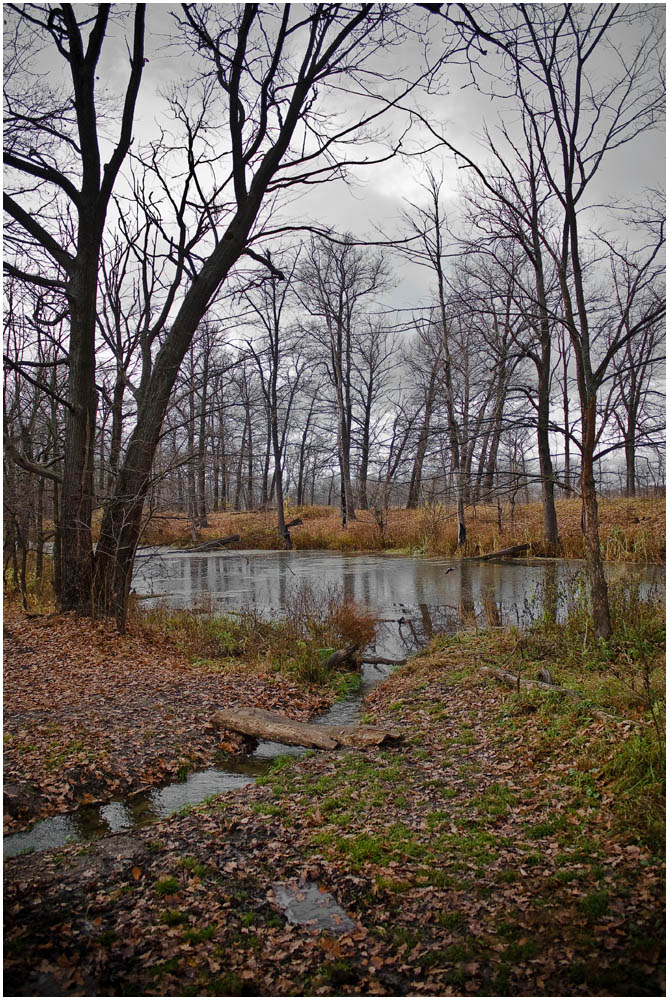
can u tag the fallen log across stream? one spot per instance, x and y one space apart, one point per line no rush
264 725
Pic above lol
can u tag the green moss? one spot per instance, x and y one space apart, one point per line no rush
166 886
595 905
173 918
195 934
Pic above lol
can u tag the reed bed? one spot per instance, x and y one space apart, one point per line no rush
630 530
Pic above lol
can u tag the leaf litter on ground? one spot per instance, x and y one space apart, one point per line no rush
475 859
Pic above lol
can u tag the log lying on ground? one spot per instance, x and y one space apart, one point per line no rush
341 656
271 726
216 543
516 682
513 550
383 660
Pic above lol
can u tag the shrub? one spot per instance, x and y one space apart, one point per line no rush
316 621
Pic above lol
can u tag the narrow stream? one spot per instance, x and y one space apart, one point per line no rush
414 599
146 807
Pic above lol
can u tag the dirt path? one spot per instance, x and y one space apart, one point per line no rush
475 859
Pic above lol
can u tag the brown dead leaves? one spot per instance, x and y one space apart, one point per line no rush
474 860
89 714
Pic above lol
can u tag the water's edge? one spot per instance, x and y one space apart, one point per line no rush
413 599
140 809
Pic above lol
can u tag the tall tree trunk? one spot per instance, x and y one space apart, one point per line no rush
190 468
240 465
223 459
267 491
76 503
594 564
422 443
629 451
365 455
566 416
544 452
344 446
250 461
543 387
39 530
202 444
282 530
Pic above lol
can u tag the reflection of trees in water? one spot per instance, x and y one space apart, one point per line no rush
492 610
466 603
550 595
89 822
142 809
419 624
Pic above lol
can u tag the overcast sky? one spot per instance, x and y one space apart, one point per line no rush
377 196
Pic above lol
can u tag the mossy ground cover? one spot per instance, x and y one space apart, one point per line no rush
493 853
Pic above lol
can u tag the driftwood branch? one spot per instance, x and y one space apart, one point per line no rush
383 660
516 681
216 543
513 550
264 725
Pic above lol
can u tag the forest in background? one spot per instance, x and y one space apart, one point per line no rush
179 339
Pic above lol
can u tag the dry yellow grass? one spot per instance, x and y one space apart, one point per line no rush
631 530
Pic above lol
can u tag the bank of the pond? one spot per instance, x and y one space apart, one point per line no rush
631 530
90 715
491 853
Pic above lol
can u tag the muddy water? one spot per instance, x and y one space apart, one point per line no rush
412 597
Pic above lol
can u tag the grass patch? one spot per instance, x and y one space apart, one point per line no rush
316 622
195 934
173 918
595 905
166 886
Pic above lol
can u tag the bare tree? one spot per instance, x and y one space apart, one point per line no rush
57 193
577 120
335 281
429 224
271 354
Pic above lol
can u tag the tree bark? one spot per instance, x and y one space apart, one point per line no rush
270 726
202 440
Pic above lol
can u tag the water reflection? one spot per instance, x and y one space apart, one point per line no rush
388 585
414 598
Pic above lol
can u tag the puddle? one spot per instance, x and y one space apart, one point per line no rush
305 903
